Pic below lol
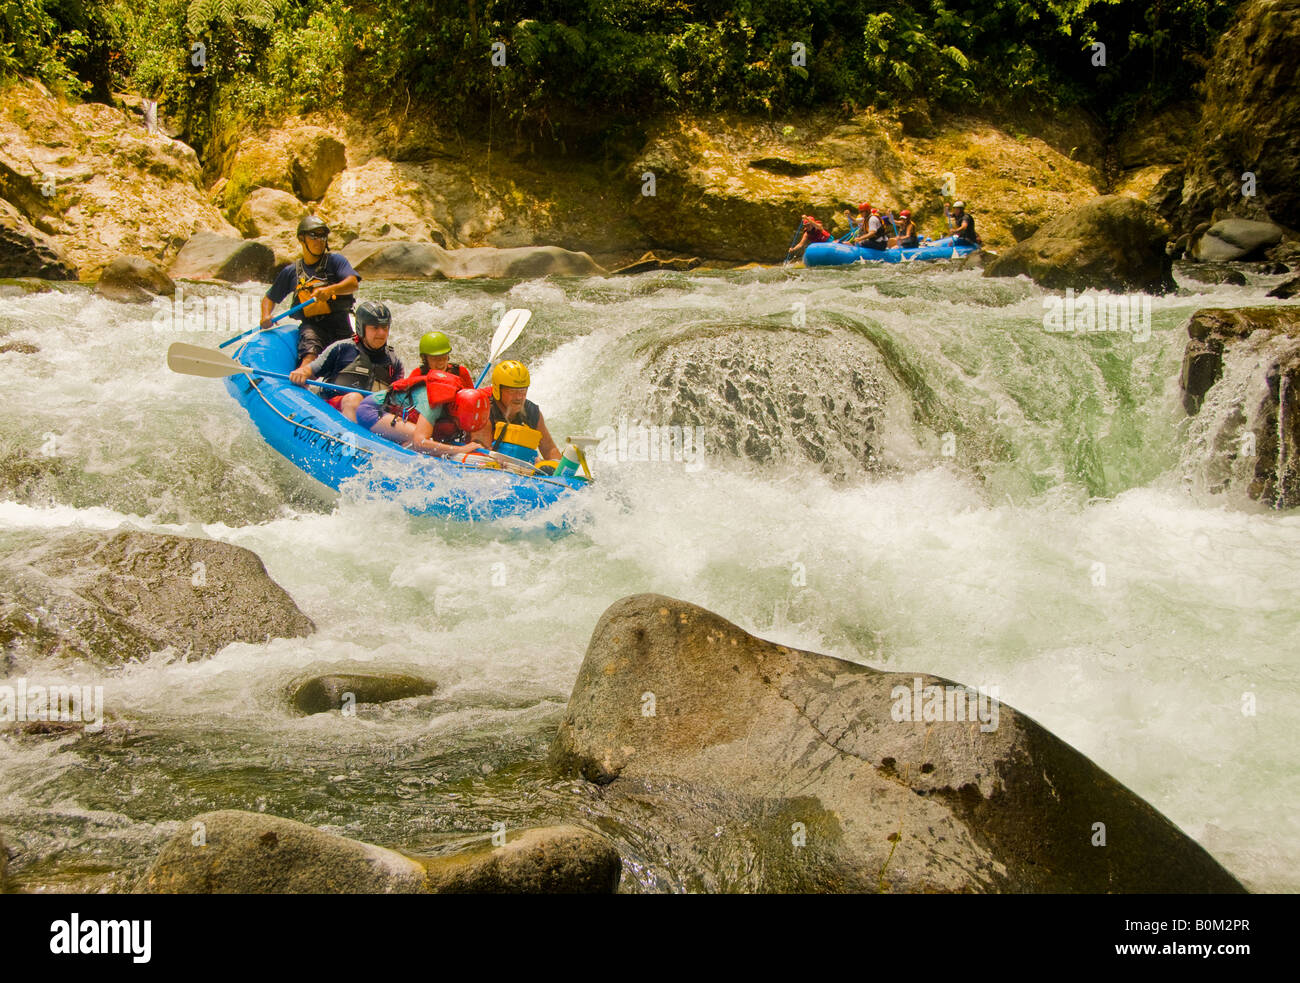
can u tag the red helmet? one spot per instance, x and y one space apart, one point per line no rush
471 409
865 206
906 212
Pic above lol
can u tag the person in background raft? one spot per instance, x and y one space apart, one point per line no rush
323 276
515 419
873 237
812 232
964 229
907 237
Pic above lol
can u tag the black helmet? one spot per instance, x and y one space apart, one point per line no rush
310 223
371 312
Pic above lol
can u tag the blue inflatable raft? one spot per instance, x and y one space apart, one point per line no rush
338 453
842 254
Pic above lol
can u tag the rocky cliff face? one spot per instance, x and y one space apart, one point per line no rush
1251 122
96 183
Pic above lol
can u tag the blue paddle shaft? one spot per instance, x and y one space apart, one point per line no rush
311 382
278 317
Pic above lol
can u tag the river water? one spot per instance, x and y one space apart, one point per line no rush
899 467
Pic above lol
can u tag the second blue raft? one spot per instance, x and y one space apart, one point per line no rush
843 254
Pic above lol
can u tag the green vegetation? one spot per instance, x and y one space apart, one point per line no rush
579 70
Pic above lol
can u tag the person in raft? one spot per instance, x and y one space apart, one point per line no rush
907 237
812 232
965 227
874 236
364 361
325 278
439 400
514 418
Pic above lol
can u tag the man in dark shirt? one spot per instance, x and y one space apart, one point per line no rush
964 229
326 278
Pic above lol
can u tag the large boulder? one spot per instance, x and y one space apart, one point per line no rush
297 157
268 212
891 782
1234 239
1250 123
404 260
321 694
318 157
115 597
1112 243
232 852
134 280
96 181
209 256
25 251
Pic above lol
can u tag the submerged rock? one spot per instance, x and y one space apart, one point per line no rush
209 256
232 852
324 693
1286 289
1212 274
134 280
793 751
1111 243
20 347
650 262
113 597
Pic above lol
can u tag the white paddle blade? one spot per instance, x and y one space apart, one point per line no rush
511 325
208 362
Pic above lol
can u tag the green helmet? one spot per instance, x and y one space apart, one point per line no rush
435 343
310 223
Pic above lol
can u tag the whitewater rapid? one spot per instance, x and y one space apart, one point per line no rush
1066 551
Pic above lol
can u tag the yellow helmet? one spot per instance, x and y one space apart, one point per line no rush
512 374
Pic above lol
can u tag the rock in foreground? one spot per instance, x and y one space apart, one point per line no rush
802 755
1111 243
114 597
232 852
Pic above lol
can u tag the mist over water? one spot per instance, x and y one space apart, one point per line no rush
899 467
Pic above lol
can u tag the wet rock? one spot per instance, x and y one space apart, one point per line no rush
399 260
268 212
1234 239
787 750
650 262
1111 243
1287 251
1212 274
1250 121
134 280
1212 331
323 693
1286 289
232 852
21 347
209 256
26 251
23 285
113 597
552 860
252 853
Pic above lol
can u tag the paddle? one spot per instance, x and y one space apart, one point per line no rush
212 364
278 317
798 234
507 331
